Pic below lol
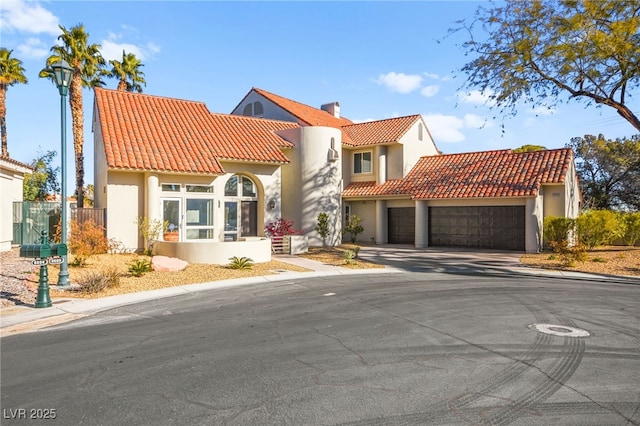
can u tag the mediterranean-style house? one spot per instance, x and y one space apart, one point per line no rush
219 179
12 175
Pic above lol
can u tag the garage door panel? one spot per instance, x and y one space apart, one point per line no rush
401 225
487 227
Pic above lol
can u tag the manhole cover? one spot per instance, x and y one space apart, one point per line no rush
560 330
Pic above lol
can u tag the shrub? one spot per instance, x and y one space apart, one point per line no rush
597 228
557 228
323 227
86 239
150 230
281 227
139 267
240 263
353 227
569 255
631 235
97 281
349 257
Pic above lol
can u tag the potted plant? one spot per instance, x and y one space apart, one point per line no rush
171 233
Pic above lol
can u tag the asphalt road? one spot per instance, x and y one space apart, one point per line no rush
405 348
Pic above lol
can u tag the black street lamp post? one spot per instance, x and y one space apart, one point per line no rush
62 73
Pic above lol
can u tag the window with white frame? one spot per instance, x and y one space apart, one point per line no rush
362 162
189 209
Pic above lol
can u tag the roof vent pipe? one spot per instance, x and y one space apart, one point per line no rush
332 108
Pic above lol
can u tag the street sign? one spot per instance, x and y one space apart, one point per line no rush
39 262
55 260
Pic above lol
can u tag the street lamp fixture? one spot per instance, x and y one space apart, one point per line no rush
62 73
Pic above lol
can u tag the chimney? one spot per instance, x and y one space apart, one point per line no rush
332 108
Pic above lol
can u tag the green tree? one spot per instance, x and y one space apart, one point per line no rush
322 227
44 179
609 171
11 72
353 227
88 69
532 51
127 71
529 148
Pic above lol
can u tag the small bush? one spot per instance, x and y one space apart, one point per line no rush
97 281
139 267
350 257
353 227
322 228
569 255
86 239
240 263
599 260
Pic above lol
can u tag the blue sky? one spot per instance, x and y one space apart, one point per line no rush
378 59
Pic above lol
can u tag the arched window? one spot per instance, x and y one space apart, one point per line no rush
240 208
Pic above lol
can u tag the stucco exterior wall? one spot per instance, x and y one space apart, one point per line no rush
128 189
311 183
100 172
11 180
555 199
413 148
366 210
270 110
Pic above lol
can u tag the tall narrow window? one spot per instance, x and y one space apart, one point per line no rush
420 131
240 208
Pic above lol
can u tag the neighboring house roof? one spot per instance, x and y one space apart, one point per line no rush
15 165
379 132
502 173
143 132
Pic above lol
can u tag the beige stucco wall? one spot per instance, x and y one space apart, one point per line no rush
138 194
11 180
366 210
414 148
311 183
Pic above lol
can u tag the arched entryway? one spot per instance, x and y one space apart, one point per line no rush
240 208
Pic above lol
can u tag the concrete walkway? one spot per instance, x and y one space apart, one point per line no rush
21 319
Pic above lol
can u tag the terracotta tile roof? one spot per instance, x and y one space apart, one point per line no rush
307 115
501 173
143 132
15 163
379 132
370 189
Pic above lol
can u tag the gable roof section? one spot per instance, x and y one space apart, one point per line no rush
501 173
379 132
143 132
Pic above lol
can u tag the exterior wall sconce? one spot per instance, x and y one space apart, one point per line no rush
271 204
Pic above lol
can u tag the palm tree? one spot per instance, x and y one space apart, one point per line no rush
88 68
128 72
11 72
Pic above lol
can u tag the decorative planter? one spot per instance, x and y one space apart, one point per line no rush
171 236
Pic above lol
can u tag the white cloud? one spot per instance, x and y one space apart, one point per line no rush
445 128
28 17
476 121
400 82
431 75
475 97
111 48
33 48
429 91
